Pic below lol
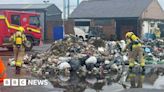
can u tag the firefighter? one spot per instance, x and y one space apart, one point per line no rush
157 33
18 39
135 52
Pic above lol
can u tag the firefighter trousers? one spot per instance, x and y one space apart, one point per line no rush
136 54
18 55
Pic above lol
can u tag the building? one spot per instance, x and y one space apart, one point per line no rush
50 15
116 17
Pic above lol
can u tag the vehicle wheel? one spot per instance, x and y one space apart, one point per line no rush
29 44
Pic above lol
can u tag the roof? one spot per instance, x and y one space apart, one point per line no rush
52 11
110 8
24 6
29 7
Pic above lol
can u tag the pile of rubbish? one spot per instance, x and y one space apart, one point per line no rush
95 56
154 51
72 55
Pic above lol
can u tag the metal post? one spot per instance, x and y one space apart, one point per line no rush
64 15
68 8
45 23
78 2
64 9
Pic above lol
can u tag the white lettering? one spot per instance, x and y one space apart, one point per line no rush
45 82
22 82
14 82
37 82
6 82
40 82
31 82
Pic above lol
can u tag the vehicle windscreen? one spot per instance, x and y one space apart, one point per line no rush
34 21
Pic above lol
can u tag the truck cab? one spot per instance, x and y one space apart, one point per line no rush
12 21
82 32
86 32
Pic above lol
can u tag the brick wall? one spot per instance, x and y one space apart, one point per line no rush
69 25
108 29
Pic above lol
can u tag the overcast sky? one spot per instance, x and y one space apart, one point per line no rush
59 3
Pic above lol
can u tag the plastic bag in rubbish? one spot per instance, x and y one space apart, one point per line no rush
91 60
64 65
147 50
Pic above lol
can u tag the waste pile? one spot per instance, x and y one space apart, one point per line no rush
72 55
154 51
95 56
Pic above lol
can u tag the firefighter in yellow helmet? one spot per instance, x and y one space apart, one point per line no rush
135 51
18 39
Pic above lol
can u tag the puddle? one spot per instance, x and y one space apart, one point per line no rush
153 78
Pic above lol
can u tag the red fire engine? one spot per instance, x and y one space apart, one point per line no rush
12 21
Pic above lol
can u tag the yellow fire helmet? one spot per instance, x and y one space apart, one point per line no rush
132 36
129 34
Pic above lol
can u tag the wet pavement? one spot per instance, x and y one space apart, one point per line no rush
24 75
150 81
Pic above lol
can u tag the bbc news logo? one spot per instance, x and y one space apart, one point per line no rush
24 82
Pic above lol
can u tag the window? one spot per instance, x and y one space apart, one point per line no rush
15 19
152 24
82 23
34 20
103 22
